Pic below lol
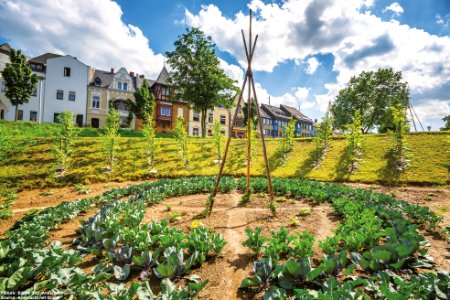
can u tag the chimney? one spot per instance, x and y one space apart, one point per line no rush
131 74
112 70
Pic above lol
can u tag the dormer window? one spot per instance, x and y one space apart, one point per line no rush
66 72
97 81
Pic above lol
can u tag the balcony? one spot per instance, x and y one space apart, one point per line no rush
123 113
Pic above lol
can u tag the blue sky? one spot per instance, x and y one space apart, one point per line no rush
307 51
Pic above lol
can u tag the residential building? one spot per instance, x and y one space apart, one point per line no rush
279 119
30 111
267 123
65 88
110 89
239 126
218 114
168 105
304 125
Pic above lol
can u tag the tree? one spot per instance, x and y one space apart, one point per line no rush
371 93
111 137
63 152
447 123
144 102
253 113
218 137
181 138
197 76
398 133
20 80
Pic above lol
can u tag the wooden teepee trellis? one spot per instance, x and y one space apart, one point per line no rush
249 51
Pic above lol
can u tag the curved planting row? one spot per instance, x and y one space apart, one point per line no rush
28 263
375 253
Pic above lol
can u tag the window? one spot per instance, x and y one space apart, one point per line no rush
195 132
34 92
66 72
119 85
33 116
165 111
56 118
2 114
97 81
125 86
222 132
210 118
223 120
71 96
209 132
164 91
95 101
59 94
196 116
20 115
180 113
3 86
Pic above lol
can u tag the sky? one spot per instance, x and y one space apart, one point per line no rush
306 52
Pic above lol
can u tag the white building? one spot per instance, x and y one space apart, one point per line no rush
29 111
65 89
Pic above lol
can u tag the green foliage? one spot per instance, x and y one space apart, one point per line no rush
354 140
181 138
151 146
144 104
401 127
253 113
19 79
370 93
196 73
218 137
63 151
111 138
80 188
446 119
254 240
323 137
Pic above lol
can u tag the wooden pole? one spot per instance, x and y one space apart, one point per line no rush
251 87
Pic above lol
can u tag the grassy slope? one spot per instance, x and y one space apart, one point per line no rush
31 163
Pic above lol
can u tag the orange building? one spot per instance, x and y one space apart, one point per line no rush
168 107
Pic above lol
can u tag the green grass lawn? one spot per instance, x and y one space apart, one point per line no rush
29 162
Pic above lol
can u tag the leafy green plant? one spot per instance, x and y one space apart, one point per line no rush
323 137
254 240
218 137
401 127
81 188
354 139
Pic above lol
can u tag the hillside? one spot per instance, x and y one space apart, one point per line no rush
29 163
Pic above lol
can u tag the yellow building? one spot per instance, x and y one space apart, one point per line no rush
110 89
218 114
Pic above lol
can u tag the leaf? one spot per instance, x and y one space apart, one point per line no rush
293 267
163 270
167 287
121 273
275 293
138 260
249 282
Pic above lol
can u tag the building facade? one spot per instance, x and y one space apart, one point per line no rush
304 125
279 119
218 114
168 107
30 111
110 90
65 88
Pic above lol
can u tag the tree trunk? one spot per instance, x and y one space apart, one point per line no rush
203 123
17 112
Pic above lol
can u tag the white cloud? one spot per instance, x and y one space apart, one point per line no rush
92 31
359 41
395 8
313 63
233 71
